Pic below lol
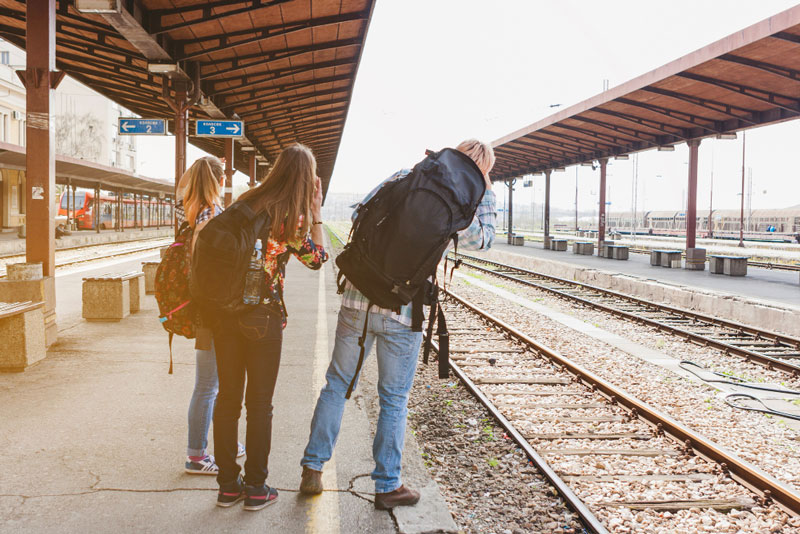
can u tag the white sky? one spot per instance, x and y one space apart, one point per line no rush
435 72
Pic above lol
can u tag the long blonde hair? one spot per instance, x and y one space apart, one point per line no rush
287 192
201 186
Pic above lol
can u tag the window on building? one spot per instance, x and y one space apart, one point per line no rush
22 133
4 59
6 122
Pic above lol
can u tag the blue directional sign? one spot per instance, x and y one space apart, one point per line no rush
219 128
129 126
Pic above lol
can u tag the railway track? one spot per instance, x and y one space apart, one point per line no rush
771 349
612 457
129 247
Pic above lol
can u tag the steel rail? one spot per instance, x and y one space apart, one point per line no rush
741 471
102 257
769 361
573 501
87 245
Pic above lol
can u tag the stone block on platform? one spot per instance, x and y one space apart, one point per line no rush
548 242
696 259
19 287
517 240
619 252
106 298
136 288
149 269
671 259
558 244
716 264
655 257
23 333
735 266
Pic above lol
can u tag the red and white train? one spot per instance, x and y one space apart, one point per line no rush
152 212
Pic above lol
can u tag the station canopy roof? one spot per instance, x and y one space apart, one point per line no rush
285 67
748 79
82 173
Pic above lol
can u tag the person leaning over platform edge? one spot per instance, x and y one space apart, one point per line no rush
250 344
199 190
397 351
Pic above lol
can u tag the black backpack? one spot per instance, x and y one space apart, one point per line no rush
400 234
221 258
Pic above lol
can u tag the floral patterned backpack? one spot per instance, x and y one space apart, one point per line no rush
178 315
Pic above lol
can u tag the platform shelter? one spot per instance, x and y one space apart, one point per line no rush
745 80
284 69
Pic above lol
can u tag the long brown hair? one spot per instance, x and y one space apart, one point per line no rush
287 192
201 184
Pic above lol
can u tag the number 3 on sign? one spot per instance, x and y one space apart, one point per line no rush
213 130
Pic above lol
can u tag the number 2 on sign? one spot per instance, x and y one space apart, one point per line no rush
149 128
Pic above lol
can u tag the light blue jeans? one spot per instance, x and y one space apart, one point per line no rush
397 350
201 407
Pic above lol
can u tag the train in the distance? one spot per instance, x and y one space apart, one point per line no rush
152 212
765 225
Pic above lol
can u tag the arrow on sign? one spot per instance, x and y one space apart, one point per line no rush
233 128
125 126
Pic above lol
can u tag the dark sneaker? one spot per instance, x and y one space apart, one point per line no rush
230 494
205 466
258 497
402 496
240 451
311 481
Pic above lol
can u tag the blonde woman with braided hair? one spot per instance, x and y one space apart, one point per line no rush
199 190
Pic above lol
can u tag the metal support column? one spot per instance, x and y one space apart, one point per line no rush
547 208
253 167
135 211
695 257
180 104
74 207
228 172
691 206
510 230
40 79
122 210
601 222
97 208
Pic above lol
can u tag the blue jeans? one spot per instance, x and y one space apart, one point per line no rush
398 350
201 407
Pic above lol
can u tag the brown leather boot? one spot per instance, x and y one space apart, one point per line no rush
402 496
311 482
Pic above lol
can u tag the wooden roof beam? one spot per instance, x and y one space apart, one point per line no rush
282 88
227 40
683 116
767 97
269 117
250 81
289 100
722 108
778 70
205 10
647 123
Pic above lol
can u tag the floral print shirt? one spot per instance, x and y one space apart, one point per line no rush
276 255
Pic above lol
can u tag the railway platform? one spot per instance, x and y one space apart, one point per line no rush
93 436
766 298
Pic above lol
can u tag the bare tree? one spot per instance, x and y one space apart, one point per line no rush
79 136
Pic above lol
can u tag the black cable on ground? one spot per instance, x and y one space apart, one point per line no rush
731 380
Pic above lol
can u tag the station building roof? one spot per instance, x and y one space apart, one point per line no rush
82 173
750 78
285 67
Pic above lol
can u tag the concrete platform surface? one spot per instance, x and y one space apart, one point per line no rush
763 284
93 437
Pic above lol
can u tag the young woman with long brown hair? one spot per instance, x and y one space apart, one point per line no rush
249 345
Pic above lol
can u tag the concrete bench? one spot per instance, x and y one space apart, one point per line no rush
517 240
730 265
22 330
671 258
603 249
149 269
111 297
558 244
585 248
617 252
